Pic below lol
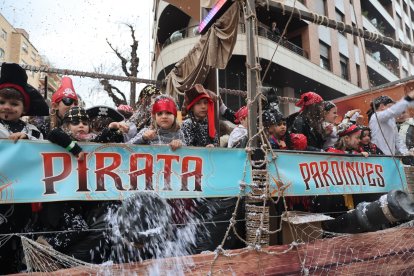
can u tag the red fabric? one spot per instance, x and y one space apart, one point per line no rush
241 114
65 90
164 104
36 207
126 108
26 97
349 130
210 112
299 141
334 150
308 98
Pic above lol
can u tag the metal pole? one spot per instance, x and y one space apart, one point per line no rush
45 95
251 73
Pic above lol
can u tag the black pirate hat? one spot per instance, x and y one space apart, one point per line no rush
106 112
75 114
14 76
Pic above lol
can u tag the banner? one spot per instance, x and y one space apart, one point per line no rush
41 172
327 174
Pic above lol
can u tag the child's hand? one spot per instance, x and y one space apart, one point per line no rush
123 127
81 156
114 125
282 144
17 136
328 129
210 146
149 135
176 144
365 154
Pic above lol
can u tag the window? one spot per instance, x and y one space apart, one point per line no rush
33 56
320 7
3 34
2 54
325 56
25 48
358 71
343 60
339 16
399 22
404 73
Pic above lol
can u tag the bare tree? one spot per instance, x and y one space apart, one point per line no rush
110 89
132 71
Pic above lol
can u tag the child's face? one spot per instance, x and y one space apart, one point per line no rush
63 106
365 138
200 109
79 127
164 119
11 109
280 129
352 140
331 115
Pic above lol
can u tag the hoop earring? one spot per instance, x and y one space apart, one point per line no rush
52 112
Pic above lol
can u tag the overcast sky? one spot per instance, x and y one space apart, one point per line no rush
72 35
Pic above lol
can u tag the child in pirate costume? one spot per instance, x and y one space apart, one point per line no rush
348 140
199 129
238 137
164 129
17 99
62 100
76 128
101 116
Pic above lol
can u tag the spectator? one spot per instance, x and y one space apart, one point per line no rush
382 123
406 129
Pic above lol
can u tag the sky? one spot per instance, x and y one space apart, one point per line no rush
72 35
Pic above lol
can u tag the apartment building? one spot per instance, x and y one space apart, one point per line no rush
310 57
15 46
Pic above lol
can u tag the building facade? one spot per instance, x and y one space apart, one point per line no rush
310 57
15 46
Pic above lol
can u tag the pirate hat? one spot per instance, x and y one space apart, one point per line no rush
74 114
14 76
65 90
105 111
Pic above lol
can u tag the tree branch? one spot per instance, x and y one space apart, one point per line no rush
109 89
124 61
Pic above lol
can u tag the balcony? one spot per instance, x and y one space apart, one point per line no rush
263 31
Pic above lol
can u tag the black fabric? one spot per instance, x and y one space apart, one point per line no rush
14 127
196 132
109 136
61 138
229 115
315 139
409 138
105 111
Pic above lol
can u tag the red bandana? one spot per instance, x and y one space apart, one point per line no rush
308 98
164 104
241 114
349 130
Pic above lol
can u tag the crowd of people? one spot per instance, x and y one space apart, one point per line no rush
156 122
